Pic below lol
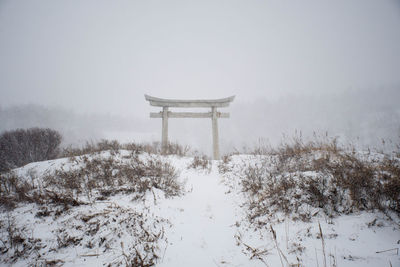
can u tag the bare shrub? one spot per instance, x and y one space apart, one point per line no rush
171 149
152 148
163 176
254 179
23 146
106 176
90 178
224 164
358 178
90 148
319 175
389 177
177 149
134 147
200 162
114 146
13 189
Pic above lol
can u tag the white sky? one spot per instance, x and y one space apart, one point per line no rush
102 56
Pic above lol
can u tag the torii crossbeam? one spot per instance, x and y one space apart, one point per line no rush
214 115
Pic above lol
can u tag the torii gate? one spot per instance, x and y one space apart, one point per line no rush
214 115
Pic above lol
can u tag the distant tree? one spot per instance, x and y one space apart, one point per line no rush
22 146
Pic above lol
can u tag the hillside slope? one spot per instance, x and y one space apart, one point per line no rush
204 223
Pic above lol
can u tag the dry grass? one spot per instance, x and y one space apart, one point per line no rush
114 146
82 181
224 164
297 177
89 178
91 175
200 163
98 177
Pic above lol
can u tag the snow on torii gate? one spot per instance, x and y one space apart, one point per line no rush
214 115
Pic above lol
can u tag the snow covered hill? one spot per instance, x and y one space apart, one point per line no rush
202 221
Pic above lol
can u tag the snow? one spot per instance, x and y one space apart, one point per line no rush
203 222
206 226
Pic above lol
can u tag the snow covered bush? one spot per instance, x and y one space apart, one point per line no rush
97 177
223 165
92 177
200 162
302 179
77 197
390 176
23 146
13 190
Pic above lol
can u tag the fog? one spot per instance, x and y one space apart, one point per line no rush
83 67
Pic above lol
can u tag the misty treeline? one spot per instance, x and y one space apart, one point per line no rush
362 117
76 128
22 146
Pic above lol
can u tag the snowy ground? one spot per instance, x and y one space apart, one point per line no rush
204 224
204 227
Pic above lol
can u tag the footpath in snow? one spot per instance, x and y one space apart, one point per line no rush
203 223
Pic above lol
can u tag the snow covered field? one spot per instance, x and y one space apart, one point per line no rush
206 225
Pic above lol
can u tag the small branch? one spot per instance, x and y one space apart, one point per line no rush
323 243
396 249
162 260
90 255
280 253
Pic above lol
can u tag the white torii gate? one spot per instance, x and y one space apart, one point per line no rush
214 115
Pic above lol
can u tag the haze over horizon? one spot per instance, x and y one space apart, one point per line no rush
306 65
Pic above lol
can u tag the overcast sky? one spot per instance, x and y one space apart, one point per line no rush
103 56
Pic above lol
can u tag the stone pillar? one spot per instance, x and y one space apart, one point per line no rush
164 138
215 133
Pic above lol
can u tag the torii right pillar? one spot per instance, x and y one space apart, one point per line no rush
214 120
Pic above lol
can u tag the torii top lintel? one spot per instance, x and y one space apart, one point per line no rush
160 102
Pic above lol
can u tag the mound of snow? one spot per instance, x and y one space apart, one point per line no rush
206 225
